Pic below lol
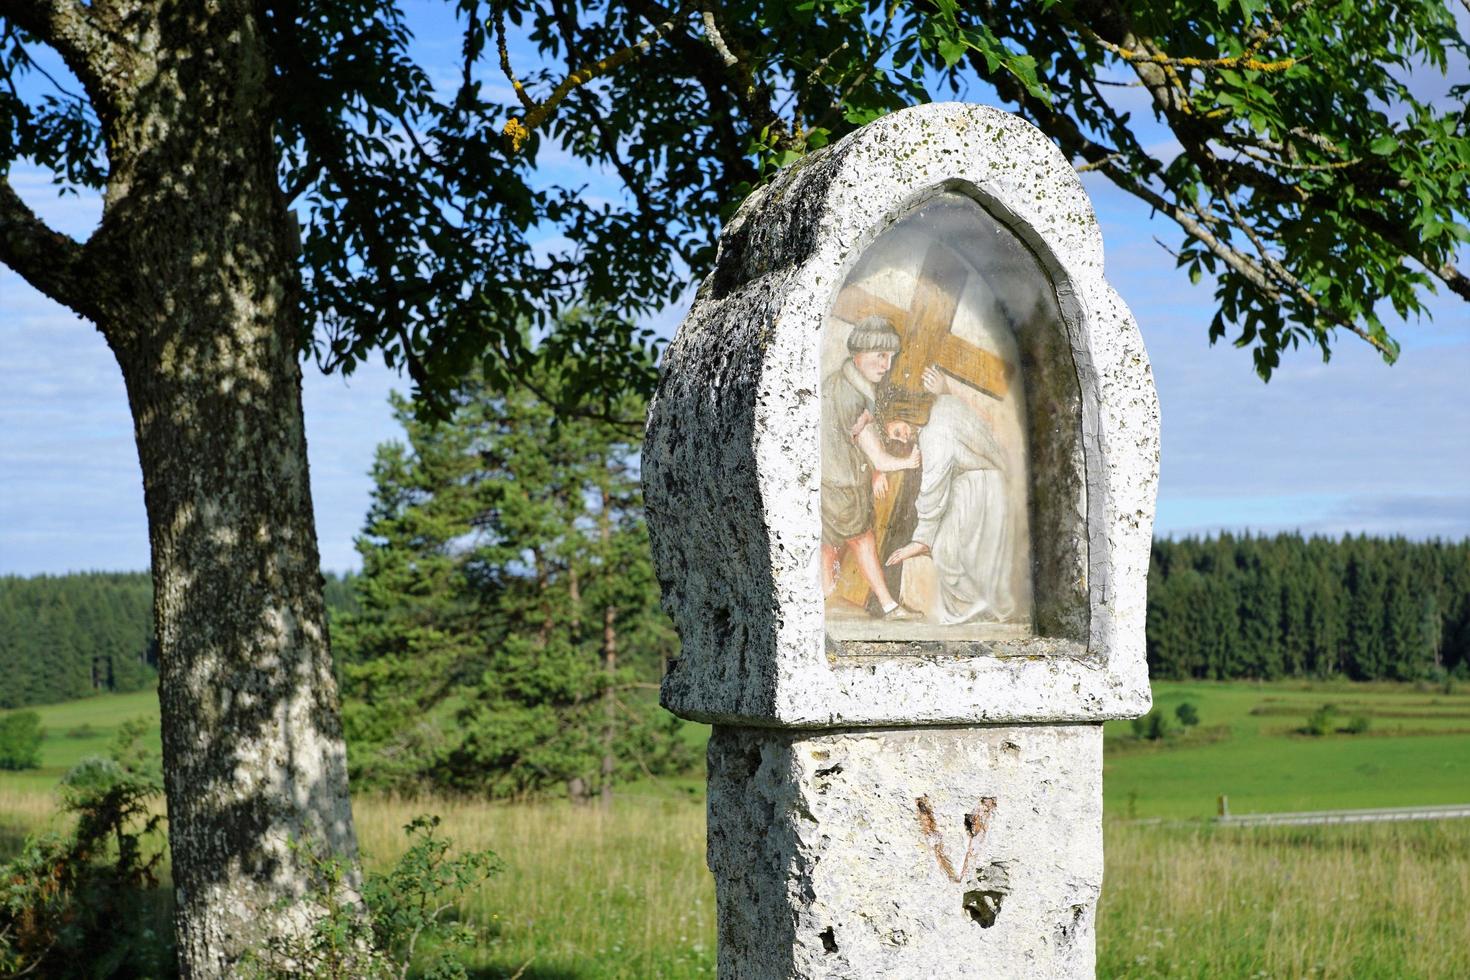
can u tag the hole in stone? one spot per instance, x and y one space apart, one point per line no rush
1068 929
983 906
833 770
720 622
829 939
752 761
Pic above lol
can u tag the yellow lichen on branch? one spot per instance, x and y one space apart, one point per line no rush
515 83
1246 61
518 130
515 134
1234 62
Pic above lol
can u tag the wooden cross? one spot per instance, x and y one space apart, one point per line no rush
924 332
925 328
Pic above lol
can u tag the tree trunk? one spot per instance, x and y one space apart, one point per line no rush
609 665
198 299
253 753
574 595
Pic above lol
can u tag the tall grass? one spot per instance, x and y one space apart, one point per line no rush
593 894
585 893
1383 900
24 811
624 893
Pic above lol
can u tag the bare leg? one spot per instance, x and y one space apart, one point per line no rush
830 558
865 547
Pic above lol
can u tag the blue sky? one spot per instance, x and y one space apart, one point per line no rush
1350 446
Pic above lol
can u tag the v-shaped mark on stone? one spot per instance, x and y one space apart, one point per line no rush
977 825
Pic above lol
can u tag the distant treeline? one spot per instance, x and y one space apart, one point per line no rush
1218 607
1287 606
71 636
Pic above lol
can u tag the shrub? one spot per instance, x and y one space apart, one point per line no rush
20 740
83 730
86 905
374 934
1139 726
1153 726
1187 714
1323 721
1358 725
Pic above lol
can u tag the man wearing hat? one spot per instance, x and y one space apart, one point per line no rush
854 459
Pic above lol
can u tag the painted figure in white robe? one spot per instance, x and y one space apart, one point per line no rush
962 510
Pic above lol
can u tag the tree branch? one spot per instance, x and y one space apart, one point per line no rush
724 102
753 100
1152 55
1197 229
71 29
632 426
1458 282
716 39
515 83
517 131
1284 276
48 260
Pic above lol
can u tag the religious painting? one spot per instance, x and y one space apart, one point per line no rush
924 462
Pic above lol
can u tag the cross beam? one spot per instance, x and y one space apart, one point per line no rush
925 329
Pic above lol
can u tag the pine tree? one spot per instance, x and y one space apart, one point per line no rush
509 638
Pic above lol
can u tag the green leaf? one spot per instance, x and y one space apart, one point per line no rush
786 158
862 115
952 50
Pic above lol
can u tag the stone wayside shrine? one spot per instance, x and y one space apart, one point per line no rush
900 478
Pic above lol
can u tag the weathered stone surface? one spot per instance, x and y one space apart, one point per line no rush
731 468
916 853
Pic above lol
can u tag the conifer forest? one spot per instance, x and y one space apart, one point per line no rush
1221 607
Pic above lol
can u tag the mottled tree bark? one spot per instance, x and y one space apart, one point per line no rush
192 279
609 664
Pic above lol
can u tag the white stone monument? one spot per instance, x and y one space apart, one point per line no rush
900 478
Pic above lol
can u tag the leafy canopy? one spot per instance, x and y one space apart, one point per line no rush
1291 144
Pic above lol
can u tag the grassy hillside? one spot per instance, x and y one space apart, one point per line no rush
76 729
1416 749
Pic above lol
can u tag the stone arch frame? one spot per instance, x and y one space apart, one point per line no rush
731 485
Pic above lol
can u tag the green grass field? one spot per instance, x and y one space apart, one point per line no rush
600 895
1416 751
77 729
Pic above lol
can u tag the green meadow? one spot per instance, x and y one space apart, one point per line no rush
77 729
1247 746
1416 751
624 893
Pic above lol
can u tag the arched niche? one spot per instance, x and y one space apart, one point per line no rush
953 490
